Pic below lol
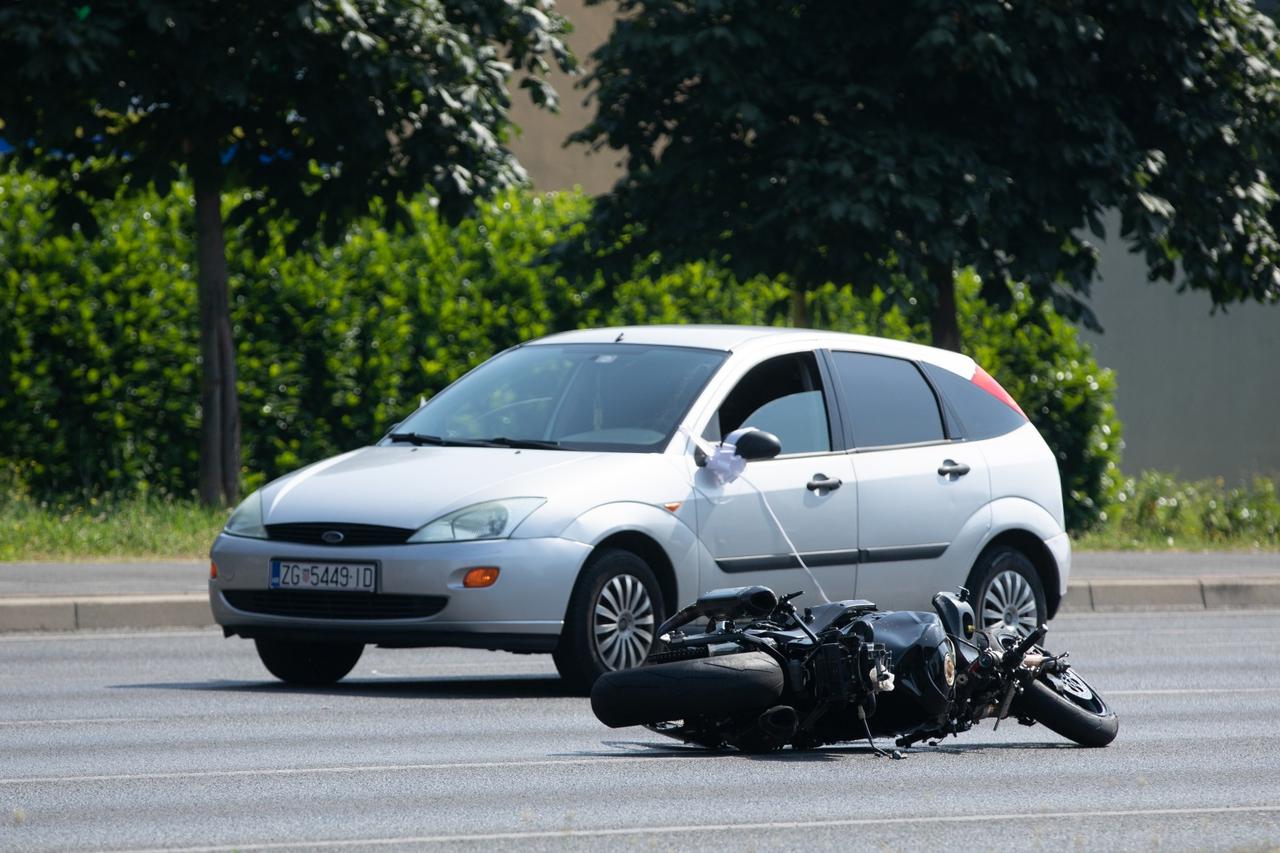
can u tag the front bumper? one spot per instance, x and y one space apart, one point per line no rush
523 611
1060 547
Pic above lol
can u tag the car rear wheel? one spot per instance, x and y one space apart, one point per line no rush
308 663
612 619
1007 592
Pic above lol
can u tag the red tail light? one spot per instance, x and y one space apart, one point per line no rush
984 381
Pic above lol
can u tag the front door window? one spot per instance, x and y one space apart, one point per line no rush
782 396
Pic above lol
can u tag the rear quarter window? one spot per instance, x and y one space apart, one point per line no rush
981 415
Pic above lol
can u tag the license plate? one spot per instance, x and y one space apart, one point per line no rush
305 574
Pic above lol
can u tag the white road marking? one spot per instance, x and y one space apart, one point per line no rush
1190 691
723 827
83 721
700 755
60 636
74 721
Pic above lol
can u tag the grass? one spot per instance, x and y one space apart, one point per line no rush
1153 512
1157 511
1110 539
139 528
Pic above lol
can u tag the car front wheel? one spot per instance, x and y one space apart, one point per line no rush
1007 592
612 618
308 663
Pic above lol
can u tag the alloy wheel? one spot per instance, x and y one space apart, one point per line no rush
1010 603
1067 683
623 622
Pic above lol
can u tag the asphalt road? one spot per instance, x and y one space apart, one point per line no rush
178 740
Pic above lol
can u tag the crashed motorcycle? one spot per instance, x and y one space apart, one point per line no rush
760 675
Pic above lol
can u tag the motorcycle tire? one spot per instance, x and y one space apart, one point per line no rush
1089 721
725 685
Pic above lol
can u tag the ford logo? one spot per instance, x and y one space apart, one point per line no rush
332 537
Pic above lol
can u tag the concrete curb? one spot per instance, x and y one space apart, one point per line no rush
191 610
185 610
1208 593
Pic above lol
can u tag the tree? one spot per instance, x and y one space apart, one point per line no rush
840 142
314 109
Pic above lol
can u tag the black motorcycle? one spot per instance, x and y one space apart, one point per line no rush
763 675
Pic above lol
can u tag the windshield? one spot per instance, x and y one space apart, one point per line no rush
626 397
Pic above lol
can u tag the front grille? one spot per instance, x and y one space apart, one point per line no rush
325 604
312 533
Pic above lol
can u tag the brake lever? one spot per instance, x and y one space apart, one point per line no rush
1004 705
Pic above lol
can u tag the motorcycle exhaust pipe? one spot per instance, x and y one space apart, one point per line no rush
779 723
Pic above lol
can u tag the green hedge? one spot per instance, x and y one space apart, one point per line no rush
99 390
100 386
1159 510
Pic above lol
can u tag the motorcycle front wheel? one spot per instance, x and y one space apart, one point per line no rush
1065 703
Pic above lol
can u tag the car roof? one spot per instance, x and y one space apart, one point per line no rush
742 339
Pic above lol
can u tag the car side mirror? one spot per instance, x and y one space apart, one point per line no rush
758 444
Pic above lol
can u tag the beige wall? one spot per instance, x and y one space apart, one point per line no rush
540 148
1198 395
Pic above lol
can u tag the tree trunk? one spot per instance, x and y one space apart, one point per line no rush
220 418
799 310
943 323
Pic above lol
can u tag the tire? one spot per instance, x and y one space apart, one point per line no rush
1069 706
612 619
1007 591
746 683
308 663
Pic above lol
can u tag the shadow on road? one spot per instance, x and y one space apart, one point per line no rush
827 754
977 748
668 749
445 687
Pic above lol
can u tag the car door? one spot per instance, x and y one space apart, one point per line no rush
923 496
808 487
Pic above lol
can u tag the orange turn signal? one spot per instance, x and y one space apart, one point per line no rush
213 570
672 506
480 577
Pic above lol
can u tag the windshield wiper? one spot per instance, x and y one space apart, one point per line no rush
421 438
524 443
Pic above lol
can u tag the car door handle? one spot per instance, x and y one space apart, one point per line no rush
952 468
821 483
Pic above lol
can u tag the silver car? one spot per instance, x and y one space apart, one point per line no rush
558 499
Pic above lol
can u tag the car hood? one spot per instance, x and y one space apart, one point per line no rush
405 486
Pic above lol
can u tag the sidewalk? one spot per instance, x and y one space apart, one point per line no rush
70 596
1125 580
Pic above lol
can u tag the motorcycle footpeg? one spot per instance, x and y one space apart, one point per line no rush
779 723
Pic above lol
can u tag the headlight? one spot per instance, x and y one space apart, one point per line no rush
949 664
247 518
488 520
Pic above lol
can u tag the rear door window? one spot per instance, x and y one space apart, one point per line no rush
888 400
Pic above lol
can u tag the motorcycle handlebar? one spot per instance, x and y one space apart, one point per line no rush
1014 656
679 619
753 601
